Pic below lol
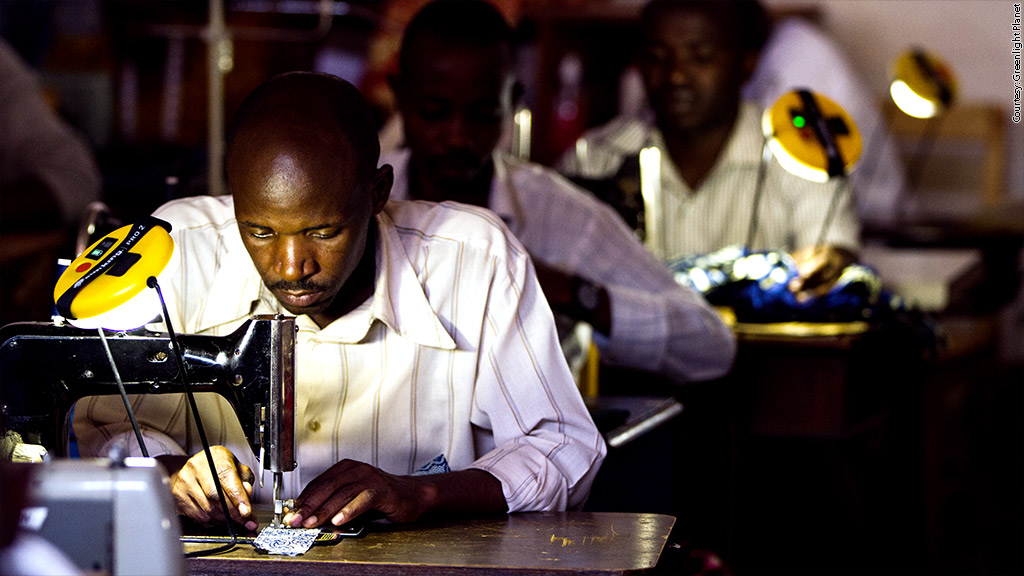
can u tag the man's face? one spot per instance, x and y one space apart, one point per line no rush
304 219
454 102
692 69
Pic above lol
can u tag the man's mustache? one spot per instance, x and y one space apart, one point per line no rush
304 285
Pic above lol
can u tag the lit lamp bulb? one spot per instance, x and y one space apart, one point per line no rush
106 286
922 86
521 123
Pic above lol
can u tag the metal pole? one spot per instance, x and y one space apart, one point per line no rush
217 46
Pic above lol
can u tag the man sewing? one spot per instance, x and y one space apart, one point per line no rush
694 59
429 378
455 92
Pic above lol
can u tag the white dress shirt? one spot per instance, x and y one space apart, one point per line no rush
657 325
455 354
791 214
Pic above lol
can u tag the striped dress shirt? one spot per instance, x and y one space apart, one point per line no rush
454 355
657 325
792 210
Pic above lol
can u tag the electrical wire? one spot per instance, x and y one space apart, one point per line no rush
152 283
762 168
124 395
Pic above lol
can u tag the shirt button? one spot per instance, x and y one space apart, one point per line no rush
314 425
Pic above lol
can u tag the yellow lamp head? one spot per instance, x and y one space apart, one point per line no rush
106 286
922 84
811 136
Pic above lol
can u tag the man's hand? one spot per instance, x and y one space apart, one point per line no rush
196 494
349 489
818 267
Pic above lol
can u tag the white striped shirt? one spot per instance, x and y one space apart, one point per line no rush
718 214
657 325
455 354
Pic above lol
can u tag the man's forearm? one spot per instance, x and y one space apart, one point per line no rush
465 491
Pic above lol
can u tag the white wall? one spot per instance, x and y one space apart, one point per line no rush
973 36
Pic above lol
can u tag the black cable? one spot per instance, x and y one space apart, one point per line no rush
766 155
124 395
152 283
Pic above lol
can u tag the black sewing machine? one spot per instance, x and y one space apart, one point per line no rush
46 367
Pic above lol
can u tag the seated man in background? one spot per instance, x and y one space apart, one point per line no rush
424 342
455 92
695 58
47 173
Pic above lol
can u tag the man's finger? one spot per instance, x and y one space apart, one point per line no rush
187 506
238 504
318 491
363 502
235 492
246 473
342 497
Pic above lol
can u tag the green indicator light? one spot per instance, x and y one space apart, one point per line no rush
799 121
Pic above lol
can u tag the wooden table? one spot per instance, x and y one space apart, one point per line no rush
521 544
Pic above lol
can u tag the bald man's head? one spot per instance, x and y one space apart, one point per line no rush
302 167
320 109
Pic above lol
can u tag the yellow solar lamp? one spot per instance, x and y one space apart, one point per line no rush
106 285
923 86
812 136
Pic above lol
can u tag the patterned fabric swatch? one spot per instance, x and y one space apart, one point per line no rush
286 541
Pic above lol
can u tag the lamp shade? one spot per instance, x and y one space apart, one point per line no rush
106 285
811 136
922 85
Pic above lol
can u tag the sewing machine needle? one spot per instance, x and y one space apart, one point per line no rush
278 503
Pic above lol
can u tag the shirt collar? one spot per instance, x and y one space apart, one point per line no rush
399 300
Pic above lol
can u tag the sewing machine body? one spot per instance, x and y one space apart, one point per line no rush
46 367
112 517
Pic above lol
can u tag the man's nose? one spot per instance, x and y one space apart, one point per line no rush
680 71
294 260
457 134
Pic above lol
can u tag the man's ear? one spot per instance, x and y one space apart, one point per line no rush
380 187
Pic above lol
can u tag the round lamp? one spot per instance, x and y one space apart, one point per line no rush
106 285
922 85
811 136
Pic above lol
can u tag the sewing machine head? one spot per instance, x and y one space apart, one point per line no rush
46 367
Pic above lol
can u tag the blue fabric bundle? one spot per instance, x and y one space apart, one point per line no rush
755 286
